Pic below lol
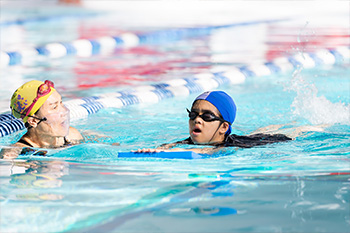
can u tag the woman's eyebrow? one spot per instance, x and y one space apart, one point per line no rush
54 103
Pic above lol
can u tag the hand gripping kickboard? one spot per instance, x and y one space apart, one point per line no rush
162 154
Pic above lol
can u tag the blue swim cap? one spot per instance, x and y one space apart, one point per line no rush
223 102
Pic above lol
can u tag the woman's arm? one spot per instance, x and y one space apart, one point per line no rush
292 132
11 152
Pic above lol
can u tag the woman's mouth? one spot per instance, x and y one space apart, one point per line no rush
196 131
65 123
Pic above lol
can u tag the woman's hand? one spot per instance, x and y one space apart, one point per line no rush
10 153
208 150
147 150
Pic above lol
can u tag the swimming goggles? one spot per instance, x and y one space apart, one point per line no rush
206 116
40 119
43 90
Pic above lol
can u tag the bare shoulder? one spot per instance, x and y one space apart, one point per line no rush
167 146
74 134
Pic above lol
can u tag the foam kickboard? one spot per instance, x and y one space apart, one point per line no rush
168 155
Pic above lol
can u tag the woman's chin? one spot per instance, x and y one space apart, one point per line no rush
197 140
61 133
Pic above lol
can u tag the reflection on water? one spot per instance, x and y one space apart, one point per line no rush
124 195
33 179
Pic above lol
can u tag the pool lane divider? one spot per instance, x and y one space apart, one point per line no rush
107 44
48 18
80 108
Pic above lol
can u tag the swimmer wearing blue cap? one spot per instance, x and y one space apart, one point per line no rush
210 119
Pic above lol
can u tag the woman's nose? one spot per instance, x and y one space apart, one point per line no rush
63 109
198 120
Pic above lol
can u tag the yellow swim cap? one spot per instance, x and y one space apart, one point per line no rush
25 95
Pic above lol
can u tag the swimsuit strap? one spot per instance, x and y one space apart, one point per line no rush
25 142
66 142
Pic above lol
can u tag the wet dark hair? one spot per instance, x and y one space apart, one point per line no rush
248 141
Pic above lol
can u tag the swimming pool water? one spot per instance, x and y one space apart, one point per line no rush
296 186
301 185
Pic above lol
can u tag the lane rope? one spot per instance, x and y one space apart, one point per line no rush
107 44
80 108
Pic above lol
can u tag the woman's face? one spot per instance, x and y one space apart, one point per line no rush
57 116
203 132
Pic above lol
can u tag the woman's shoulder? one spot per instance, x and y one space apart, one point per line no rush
185 141
74 134
171 145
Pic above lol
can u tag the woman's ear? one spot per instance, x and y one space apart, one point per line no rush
224 127
33 122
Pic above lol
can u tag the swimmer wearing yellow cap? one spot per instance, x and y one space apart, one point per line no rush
45 116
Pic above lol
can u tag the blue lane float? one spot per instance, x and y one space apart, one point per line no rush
107 44
80 108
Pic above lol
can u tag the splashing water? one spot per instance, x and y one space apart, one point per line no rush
316 109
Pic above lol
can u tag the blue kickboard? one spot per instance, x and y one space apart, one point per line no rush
167 155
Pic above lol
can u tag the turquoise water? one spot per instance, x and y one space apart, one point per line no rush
296 186
302 185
